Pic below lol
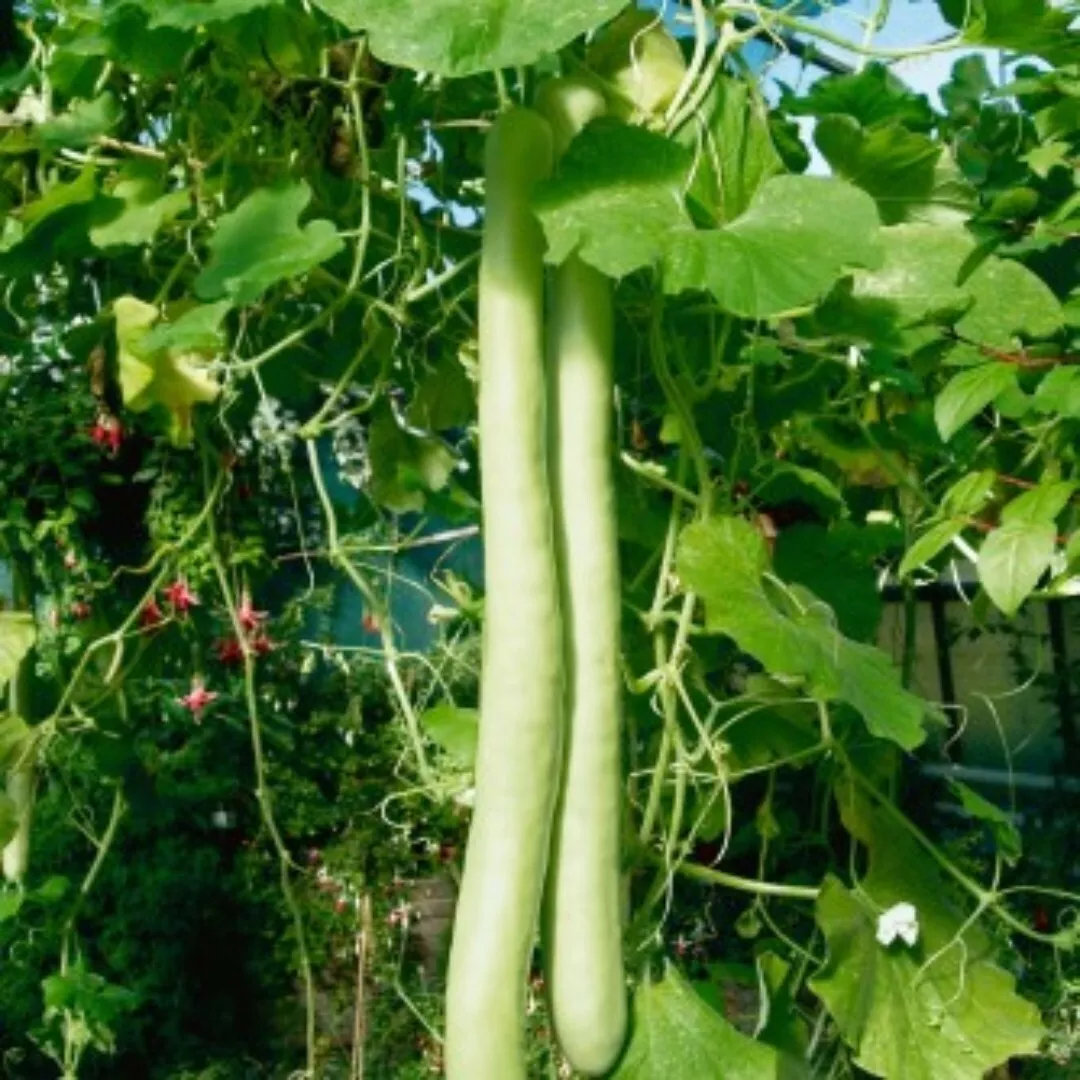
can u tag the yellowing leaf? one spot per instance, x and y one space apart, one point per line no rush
176 379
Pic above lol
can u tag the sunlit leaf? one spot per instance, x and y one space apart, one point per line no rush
1012 560
798 237
462 37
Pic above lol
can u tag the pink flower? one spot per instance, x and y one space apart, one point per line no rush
250 619
80 610
180 596
198 699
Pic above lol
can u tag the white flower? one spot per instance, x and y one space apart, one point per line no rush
900 921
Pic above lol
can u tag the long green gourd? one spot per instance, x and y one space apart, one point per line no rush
521 689
582 919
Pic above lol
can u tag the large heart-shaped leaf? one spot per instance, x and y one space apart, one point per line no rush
941 1009
619 203
462 37
793 634
676 1034
798 237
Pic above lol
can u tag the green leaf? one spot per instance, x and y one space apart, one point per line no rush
10 904
618 196
872 97
781 1025
81 124
768 724
676 1034
918 279
897 167
1026 26
743 155
1041 504
1012 559
970 493
454 730
444 397
794 483
174 378
830 563
1002 827
1059 392
405 466
261 243
188 16
9 819
51 227
798 237
792 634
934 540
15 737
197 330
463 37
905 1019
17 637
967 394
144 206
52 890
1009 299
618 203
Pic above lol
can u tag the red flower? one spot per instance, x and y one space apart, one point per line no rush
1041 920
107 433
80 610
198 699
250 619
230 651
370 622
180 596
151 615
262 645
